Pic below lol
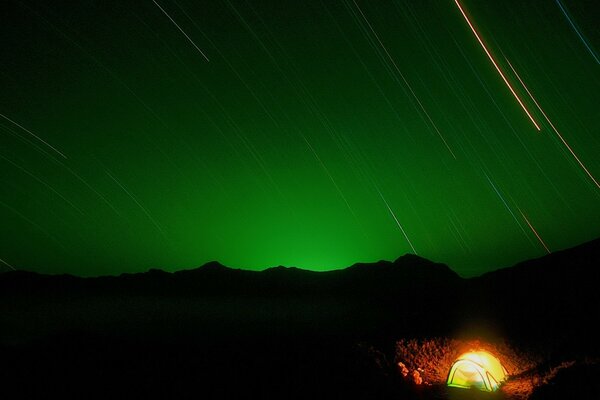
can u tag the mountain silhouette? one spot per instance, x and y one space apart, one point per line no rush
563 280
214 278
283 332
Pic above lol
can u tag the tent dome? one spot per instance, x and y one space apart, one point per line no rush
478 369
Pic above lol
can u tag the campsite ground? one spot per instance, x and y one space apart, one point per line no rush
84 366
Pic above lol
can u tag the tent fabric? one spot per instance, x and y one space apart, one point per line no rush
478 369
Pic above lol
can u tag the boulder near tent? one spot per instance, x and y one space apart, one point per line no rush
477 369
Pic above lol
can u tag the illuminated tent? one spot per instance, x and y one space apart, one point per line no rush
478 369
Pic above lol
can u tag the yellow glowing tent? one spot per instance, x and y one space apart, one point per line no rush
478 369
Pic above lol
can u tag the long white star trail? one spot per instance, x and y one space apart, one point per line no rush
397 222
577 31
537 235
562 139
34 135
181 30
487 52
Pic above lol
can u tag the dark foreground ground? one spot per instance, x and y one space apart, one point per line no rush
219 333
81 366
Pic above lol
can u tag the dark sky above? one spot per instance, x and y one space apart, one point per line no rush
139 134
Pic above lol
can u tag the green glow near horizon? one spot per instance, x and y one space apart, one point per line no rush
284 147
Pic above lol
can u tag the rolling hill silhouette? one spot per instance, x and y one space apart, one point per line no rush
278 332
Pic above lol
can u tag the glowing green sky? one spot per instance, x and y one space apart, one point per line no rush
284 147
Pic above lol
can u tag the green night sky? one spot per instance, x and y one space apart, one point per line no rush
316 134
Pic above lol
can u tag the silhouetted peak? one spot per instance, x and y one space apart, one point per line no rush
407 260
424 268
412 259
277 268
213 266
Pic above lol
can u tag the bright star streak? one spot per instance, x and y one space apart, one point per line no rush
583 40
496 65
7 264
181 30
397 222
34 135
554 128
534 231
405 81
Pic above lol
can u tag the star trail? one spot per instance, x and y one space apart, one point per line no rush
313 134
